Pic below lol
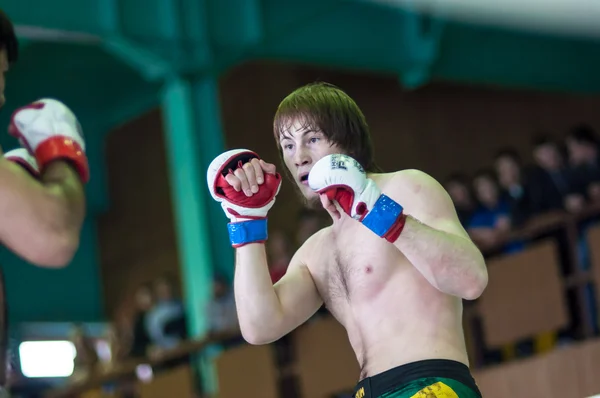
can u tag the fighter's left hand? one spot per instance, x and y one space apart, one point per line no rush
332 207
341 179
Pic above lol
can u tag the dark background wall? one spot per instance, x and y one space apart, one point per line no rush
440 129
74 293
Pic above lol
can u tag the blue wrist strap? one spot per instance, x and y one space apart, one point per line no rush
244 232
383 215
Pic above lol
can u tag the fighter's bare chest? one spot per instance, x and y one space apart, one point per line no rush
355 265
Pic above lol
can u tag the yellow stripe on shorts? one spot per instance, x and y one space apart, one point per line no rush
436 390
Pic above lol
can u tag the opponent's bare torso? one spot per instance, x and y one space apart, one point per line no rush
391 313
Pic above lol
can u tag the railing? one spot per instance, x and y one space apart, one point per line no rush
527 291
525 297
569 372
127 370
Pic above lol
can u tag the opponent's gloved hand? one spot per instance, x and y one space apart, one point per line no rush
248 214
24 158
344 180
50 131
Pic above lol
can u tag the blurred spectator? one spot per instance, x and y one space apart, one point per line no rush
491 221
221 311
279 255
582 145
166 321
140 337
457 186
514 181
86 358
116 345
554 180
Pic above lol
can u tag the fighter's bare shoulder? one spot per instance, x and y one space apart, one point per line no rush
423 197
311 252
411 182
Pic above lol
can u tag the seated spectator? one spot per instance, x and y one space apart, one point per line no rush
166 321
140 337
86 358
553 182
221 311
514 181
457 186
279 255
491 221
582 145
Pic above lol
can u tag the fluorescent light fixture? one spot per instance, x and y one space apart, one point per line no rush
47 358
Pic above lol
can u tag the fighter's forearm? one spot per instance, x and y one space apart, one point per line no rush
258 307
451 263
41 220
65 183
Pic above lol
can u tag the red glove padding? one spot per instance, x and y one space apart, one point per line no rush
51 131
236 205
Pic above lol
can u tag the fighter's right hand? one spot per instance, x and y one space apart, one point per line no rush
50 131
234 180
250 177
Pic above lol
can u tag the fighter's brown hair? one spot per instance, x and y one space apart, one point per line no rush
326 108
8 38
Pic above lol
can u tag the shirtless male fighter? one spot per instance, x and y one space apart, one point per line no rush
393 268
42 203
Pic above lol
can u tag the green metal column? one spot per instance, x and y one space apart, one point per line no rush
193 135
211 143
188 189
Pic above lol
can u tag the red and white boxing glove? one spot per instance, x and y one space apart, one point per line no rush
344 180
248 215
51 131
24 158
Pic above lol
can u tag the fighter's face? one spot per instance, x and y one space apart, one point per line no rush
3 70
302 147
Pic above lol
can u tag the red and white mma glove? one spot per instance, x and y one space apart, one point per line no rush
248 215
24 158
344 180
50 131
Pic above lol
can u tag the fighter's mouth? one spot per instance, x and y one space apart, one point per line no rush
304 179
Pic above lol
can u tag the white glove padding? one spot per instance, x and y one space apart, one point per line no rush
51 131
24 158
236 205
344 180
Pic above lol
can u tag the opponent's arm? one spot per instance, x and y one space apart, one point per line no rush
266 312
246 188
41 220
434 240
42 204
